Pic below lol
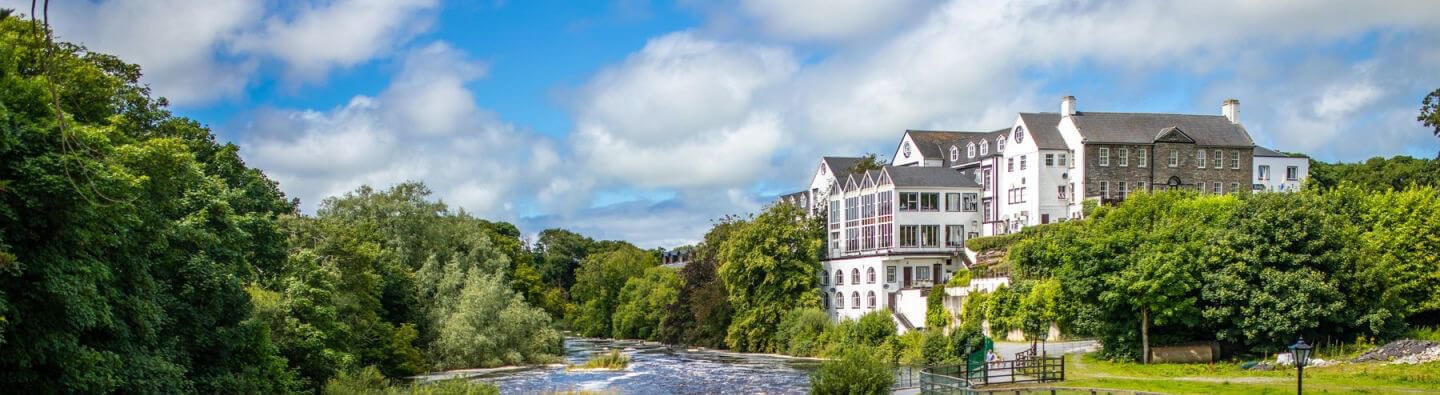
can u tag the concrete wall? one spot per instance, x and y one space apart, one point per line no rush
1276 182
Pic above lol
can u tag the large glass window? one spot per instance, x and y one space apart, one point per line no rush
834 211
867 206
909 236
952 202
852 208
852 239
929 235
868 237
930 201
887 234
954 235
886 202
1104 156
909 201
972 202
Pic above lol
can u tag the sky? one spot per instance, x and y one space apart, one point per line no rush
647 120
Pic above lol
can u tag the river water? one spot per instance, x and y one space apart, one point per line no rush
662 369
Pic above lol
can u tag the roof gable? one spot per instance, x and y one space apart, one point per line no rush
1142 128
1173 135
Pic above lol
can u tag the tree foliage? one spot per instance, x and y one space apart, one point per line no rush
768 266
598 283
644 302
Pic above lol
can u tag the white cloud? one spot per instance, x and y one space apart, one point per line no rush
684 111
405 133
826 20
197 52
341 33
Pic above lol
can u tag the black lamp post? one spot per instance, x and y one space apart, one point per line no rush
1300 352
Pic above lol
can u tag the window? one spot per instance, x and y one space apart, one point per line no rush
1049 160
954 235
1104 156
839 277
825 303
1104 189
952 202
1219 159
984 148
987 212
1292 173
835 240
889 274
1219 188
929 235
1234 187
871 300
1124 157
909 201
834 211
909 236
970 149
852 239
1141 157
930 201
1200 158
855 300
886 202
1022 161
1200 186
824 277
887 234
839 301
867 206
971 202
954 153
867 237
1265 172
922 273
852 209
855 276
1061 192
1000 144
1009 164
1121 190
1234 159
870 275
1174 158
1063 159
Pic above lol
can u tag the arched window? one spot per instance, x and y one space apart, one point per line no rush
984 148
839 277
871 300
870 275
954 153
1000 144
824 277
855 276
839 301
825 303
970 149
854 300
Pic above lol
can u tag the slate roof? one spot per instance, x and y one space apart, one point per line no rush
840 165
1044 129
1262 151
1142 128
935 144
986 139
912 176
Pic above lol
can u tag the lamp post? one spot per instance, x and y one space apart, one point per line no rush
1300 352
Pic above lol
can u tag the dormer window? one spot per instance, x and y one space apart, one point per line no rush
954 153
970 149
984 148
1000 144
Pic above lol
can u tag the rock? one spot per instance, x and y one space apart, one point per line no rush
1401 349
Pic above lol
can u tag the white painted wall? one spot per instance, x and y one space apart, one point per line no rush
913 159
1072 137
850 311
1276 182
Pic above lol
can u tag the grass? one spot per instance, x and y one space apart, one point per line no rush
1229 378
1431 333
612 360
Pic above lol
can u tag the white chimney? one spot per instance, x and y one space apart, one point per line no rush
1067 106
1231 110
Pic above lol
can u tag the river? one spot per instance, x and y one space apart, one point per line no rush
661 369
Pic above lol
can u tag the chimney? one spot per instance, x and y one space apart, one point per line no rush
1231 110
1067 106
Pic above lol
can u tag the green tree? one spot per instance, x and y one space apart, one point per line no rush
598 283
858 370
643 303
935 315
1401 243
769 266
492 326
1430 112
804 331
702 310
866 163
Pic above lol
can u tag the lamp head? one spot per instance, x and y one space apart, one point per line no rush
1301 352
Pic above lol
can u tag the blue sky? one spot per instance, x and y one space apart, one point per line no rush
645 120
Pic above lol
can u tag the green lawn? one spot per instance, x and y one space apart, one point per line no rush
1228 378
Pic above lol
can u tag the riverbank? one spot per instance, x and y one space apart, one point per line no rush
1088 371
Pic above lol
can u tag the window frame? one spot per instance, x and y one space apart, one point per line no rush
1287 173
1104 189
870 275
1142 158
956 202
1122 157
1219 159
1049 160
1174 158
1234 160
1200 158
914 233
1102 157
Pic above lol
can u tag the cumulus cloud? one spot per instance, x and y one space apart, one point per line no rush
407 132
826 20
196 52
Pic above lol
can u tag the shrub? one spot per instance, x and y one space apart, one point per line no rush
961 279
859 370
803 330
912 348
369 381
935 347
613 360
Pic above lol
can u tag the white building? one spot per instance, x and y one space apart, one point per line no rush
1278 172
893 234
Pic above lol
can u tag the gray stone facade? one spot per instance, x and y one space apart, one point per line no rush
1156 173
